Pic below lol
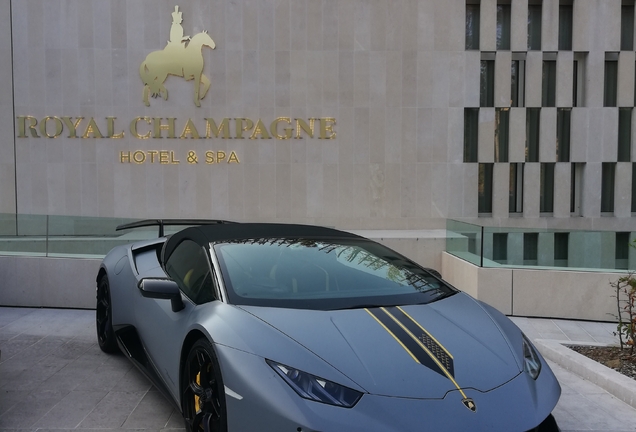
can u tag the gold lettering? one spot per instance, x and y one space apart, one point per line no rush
308 128
110 122
58 127
172 159
274 128
158 127
72 126
163 157
124 157
211 127
240 129
139 157
326 125
261 130
152 154
220 156
209 157
22 127
92 129
133 127
190 129
233 158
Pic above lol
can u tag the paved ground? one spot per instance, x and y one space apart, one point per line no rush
54 377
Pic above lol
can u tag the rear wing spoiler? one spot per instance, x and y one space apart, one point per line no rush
163 222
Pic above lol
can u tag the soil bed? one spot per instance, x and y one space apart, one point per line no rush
612 357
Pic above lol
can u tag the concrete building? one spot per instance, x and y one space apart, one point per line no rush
358 114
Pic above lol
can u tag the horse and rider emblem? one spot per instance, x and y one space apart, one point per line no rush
181 57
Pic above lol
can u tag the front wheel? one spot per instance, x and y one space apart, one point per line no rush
103 317
202 390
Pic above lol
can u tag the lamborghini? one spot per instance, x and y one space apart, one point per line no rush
297 328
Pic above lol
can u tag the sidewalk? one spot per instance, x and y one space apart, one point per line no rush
54 376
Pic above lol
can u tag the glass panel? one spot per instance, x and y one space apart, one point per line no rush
546 202
565 27
500 247
472 26
622 250
633 187
515 191
561 249
548 94
624 134
563 134
487 84
503 27
502 120
610 83
530 248
627 27
485 188
464 240
532 134
534 27
471 133
607 187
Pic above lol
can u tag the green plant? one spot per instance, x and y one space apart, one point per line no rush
625 293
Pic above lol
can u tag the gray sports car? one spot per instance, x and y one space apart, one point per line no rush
282 328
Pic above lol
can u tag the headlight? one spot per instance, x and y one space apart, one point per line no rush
531 362
317 389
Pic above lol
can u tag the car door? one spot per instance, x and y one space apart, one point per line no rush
161 329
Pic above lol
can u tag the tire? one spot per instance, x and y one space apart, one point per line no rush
202 390
103 318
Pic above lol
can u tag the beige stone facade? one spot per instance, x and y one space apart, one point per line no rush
395 77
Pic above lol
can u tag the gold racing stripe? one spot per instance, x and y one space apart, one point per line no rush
394 336
437 362
425 331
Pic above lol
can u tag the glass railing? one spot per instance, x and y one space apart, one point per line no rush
541 248
64 236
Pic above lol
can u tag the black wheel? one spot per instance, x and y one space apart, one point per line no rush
203 392
103 318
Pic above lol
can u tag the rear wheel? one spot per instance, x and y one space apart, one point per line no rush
203 392
103 317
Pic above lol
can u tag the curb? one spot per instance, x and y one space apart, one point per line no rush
613 382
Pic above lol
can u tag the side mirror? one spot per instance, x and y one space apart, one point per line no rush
162 288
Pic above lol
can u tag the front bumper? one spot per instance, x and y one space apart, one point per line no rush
258 399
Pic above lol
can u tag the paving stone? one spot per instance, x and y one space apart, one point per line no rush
71 410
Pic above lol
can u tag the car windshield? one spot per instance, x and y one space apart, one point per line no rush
323 274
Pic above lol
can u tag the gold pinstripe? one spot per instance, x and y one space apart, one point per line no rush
437 362
394 337
425 331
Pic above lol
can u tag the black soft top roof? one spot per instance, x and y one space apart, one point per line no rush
205 234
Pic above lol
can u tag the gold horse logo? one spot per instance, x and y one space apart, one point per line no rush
181 57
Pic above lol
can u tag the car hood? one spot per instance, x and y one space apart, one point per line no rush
460 346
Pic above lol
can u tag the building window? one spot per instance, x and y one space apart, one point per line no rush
546 202
576 180
610 80
563 134
471 134
503 26
472 26
578 79
485 188
532 134
627 27
502 132
530 248
607 187
487 80
561 241
565 27
515 192
548 93
621 253
518 80
500 247
534 27
624 134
